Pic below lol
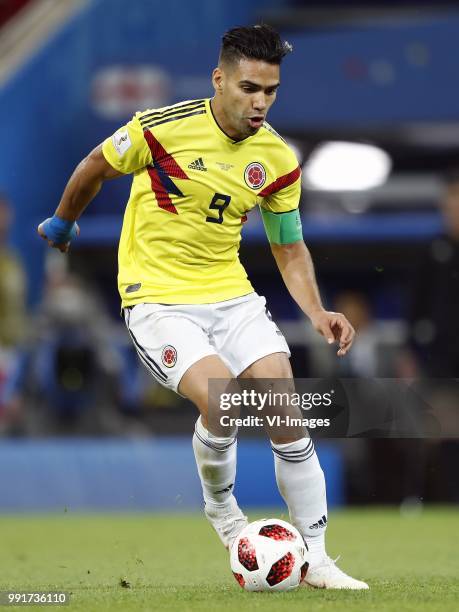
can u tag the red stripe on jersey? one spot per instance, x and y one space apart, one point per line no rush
162 197
280 183
165 161
162 158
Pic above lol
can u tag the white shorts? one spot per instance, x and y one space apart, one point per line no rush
169 338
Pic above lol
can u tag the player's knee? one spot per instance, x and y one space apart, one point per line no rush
285 438
273 366
219 438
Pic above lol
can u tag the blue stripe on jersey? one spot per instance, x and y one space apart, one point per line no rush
167 182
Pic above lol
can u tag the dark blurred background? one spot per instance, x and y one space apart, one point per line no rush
370 102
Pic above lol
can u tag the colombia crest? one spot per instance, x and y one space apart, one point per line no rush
169 356
255 175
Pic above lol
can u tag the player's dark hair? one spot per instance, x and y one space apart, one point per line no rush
259 42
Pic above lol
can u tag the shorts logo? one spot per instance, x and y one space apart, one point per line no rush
255 175
169 356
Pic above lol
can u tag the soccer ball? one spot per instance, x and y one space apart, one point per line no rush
269 555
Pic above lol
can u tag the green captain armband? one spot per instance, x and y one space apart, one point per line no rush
282 228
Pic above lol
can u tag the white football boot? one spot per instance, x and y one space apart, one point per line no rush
326 575
228 520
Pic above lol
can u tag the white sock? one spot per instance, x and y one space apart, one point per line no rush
301 483
216 462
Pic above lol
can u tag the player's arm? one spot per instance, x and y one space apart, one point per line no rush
123 153
282 222
296 267
83 186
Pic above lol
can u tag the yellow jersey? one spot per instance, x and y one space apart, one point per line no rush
191 191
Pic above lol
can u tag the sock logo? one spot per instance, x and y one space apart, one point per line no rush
227 489
320 523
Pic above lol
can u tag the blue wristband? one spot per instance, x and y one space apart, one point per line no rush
59 230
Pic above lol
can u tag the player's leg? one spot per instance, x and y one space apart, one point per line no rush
194 383
256 349
172 344
257 343
299 477
301 483
215 454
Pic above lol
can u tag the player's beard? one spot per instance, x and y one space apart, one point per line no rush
246 129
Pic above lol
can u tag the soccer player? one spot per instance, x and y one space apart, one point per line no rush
198 168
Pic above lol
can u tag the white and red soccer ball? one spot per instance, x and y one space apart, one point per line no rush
269 555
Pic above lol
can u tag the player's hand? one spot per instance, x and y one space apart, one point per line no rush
334 327
58 233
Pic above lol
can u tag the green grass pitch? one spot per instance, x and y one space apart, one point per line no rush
175 562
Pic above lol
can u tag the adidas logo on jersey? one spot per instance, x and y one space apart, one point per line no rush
198 164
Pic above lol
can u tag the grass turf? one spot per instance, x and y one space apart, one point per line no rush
175 562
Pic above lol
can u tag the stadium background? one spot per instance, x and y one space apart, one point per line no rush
82 425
